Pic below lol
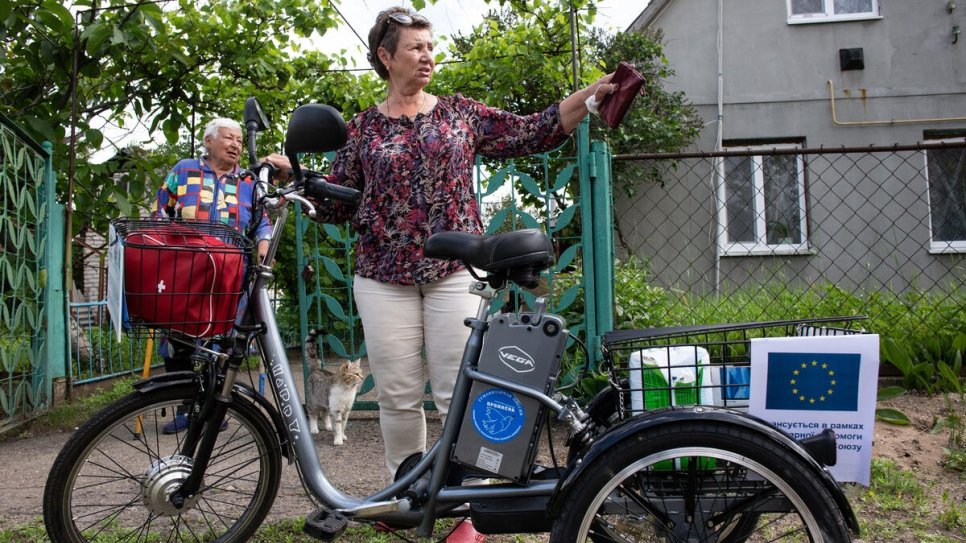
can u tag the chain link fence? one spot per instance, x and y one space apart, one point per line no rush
780 233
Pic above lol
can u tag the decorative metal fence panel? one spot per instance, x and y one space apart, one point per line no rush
25 179
774 234
96 354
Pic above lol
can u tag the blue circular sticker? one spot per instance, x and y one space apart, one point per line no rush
498 415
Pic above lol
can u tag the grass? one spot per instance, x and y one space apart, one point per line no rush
284 531
898 507
955 451
29 533
952 515
70 415
290 531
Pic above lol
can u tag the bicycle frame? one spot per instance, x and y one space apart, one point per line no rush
385 505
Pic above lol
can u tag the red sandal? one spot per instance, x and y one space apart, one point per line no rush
465 533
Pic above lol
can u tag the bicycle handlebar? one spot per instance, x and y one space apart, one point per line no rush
318 188
313 190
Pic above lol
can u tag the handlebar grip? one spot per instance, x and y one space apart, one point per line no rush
320 189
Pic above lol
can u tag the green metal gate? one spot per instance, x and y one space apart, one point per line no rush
32 308
568 197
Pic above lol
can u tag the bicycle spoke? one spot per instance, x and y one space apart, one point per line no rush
207 501
108 520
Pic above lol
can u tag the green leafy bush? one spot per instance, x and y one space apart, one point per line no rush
923 333
928 365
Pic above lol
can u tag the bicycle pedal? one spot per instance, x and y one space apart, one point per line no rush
325 524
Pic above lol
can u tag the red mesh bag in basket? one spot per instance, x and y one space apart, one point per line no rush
182 279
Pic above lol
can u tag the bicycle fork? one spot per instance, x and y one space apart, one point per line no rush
206 425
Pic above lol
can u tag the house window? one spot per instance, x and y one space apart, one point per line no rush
762 204
824 11
946 176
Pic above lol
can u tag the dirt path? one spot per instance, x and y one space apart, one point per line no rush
357 467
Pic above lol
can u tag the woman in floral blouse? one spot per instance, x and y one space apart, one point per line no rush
412 157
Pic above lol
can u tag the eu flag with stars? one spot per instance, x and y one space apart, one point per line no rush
813 381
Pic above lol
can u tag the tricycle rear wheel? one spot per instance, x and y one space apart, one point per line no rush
699 481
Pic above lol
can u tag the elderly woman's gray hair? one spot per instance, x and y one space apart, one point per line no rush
211 129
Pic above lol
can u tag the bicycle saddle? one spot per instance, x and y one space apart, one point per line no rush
520 255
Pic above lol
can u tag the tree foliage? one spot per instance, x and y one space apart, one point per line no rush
659 121
520 58
172 63
175 64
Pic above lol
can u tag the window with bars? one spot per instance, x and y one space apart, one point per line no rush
821 11
945 172
761 204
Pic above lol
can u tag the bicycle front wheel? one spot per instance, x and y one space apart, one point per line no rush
114 477
697 481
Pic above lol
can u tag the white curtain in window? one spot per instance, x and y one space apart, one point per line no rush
782 214
801 7
740 199
852 6
947 193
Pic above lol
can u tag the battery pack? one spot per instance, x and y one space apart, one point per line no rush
501 429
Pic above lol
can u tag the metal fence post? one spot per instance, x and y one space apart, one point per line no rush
58 359
603 235
585 163
301 224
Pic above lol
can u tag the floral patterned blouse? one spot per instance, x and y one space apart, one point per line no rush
416 178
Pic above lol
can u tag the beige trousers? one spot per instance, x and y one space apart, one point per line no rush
399 321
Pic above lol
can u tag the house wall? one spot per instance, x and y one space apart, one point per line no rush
775 86
775 75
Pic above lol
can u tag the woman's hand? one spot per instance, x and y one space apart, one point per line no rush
601 88
573 108
283 166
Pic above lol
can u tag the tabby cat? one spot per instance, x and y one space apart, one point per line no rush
330 391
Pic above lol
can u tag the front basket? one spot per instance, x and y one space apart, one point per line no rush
182 276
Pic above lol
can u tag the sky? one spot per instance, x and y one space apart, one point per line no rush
449 17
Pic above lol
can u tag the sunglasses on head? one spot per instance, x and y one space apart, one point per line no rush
407 19
398 17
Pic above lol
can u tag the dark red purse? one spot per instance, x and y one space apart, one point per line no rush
614 106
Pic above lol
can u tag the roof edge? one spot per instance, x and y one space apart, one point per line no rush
650 14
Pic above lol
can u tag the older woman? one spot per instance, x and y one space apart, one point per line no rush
412 156
208 188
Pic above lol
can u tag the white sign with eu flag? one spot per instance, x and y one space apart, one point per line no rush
804 385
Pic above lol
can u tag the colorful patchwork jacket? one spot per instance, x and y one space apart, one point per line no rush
192 191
